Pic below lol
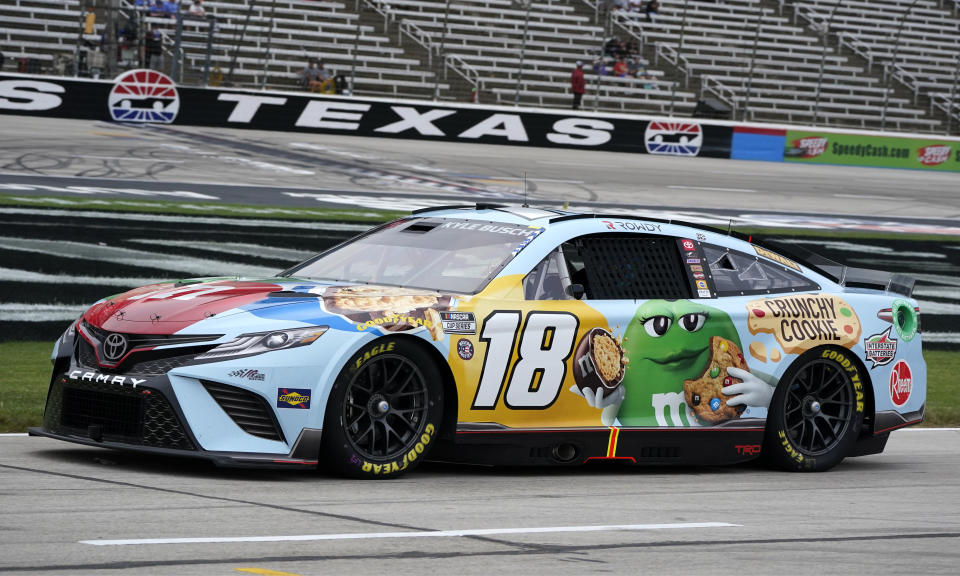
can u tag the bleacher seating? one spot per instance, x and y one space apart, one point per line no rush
722 42
484 41
412 48
926 58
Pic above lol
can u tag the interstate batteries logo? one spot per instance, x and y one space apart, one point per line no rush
880 348
673 138
144 96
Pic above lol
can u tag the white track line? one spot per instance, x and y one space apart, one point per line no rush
712 189
427 534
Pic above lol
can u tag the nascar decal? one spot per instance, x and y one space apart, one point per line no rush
144 96
673 138
801 322
293 398
458 322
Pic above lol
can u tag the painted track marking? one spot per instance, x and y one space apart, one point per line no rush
425 534
711 189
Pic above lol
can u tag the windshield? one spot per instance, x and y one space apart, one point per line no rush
442 254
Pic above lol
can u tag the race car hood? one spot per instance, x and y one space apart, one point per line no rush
171 307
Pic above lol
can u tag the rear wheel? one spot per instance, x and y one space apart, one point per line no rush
384 411
816 412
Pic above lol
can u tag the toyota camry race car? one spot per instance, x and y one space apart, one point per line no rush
503 335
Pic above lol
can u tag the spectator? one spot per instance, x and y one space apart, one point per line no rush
156 9
196 9
600 67
308 75
653 6
153 49
620 68
578 85
89 21
325 82
170 7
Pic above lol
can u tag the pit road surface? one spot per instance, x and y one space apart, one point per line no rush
894 513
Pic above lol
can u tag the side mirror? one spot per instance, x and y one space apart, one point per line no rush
576 291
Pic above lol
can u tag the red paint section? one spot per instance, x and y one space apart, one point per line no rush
761 131
168 308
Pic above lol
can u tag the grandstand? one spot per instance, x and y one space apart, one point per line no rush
766 60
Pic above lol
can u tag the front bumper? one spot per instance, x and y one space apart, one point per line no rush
303 454
140 413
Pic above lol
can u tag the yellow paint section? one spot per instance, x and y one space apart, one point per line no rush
264 572
612 444
506 294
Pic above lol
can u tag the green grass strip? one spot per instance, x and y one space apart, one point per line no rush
195 208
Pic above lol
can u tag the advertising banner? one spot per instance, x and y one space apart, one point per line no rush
867 150
147 96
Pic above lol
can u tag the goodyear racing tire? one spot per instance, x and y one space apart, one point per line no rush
816 412
384 411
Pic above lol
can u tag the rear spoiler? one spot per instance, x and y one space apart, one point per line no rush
877 280
843 274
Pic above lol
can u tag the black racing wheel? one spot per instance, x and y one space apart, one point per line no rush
384 411
816 412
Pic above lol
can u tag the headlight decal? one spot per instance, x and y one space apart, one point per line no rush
260 342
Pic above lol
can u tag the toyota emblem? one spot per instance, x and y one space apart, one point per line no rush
114 347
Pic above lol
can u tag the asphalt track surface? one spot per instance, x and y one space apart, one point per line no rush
74 510
257 167
67 509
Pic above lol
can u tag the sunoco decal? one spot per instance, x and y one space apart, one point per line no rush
673 138
144 96
293 398
880 348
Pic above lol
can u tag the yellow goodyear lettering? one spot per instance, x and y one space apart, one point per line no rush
788 447
858 389
408 458
368 354
850 367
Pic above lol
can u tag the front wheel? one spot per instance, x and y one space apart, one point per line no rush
816 412
384 411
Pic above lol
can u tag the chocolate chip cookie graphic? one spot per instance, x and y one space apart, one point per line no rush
705 394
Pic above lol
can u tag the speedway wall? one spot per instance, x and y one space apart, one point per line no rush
146 96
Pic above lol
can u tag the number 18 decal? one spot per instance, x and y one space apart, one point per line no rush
536 378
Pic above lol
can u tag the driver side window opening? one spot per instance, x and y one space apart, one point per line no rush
611 267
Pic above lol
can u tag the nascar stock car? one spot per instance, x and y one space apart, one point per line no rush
503 335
